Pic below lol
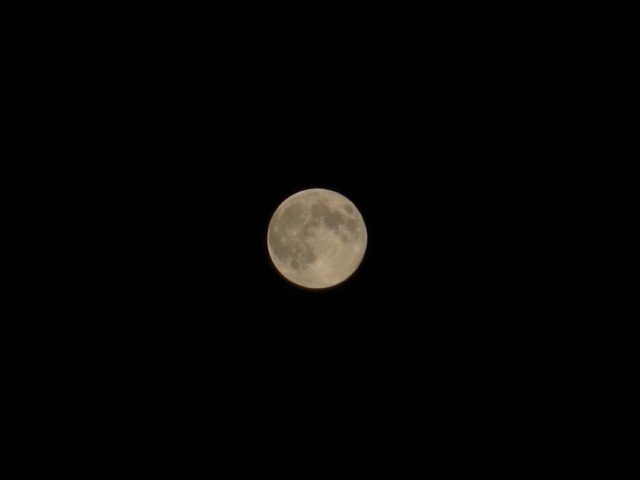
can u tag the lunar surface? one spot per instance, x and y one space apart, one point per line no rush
317 238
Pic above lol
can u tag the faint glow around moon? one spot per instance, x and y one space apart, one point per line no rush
317 238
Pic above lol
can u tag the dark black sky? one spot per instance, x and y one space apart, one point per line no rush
202 135
442 275
192 140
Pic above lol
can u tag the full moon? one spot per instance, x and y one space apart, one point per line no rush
316 238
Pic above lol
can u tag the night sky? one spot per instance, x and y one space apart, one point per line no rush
202 134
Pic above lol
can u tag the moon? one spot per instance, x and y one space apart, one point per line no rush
317 238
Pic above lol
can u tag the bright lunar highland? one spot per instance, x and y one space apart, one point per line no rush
317 238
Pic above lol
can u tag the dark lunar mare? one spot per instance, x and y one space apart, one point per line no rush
332 218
